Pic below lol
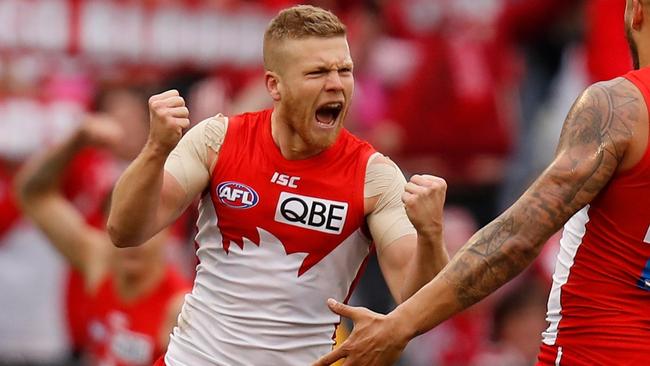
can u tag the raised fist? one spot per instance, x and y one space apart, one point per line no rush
168 117
424 198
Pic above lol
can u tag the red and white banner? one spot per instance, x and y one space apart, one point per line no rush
135 32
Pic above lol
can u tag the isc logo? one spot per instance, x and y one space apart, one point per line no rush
237 195
311 213
285 180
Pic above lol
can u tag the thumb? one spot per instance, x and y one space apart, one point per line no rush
341 309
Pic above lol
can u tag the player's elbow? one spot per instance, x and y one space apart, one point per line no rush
120 237
28 195
23 195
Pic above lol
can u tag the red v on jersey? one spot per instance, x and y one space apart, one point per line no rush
320 209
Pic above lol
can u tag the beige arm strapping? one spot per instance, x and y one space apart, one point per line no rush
190 161
388 221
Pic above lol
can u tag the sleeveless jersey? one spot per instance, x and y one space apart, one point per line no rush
128 333
599 306
276 239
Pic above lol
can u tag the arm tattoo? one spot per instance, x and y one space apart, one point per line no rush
593 142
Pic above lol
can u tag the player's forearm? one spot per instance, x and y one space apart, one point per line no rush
429 258
477 270
136 199
136 203
493 256
42 174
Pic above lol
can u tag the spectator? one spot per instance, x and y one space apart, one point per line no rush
132 298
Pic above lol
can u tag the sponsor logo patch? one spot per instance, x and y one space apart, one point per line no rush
237 195
285 180
311 213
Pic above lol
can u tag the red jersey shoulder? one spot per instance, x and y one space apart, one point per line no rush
353 142
249 119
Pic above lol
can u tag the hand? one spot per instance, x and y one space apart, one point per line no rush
376 339
168 117
100 130
424 198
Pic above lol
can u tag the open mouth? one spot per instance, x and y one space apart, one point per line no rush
327 114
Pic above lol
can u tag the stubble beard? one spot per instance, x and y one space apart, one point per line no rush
302 122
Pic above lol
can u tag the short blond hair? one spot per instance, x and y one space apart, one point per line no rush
298 22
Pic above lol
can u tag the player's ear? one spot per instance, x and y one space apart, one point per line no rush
272 85
637 14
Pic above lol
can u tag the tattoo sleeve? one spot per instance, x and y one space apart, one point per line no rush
594 139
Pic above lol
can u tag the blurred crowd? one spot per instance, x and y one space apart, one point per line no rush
474 91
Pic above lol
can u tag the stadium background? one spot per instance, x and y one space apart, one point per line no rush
474 91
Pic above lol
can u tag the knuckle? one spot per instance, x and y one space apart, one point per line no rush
157 106
440 185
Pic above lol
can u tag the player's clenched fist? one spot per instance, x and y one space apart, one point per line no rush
424 198
168 117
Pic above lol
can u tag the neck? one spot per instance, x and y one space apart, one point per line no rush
287 139
131 286
644 57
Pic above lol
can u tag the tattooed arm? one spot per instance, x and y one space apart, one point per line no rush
593 142
593 145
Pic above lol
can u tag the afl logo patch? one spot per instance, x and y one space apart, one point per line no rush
237 195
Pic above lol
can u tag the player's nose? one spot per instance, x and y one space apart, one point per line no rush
333 81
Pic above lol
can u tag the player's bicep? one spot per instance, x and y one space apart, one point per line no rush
387 220
393 234
396 242
394 260
189 165
593 142
173 201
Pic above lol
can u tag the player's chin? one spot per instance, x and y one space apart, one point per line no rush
324 139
